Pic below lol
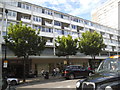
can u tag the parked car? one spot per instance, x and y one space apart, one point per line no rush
76 71
106 77
13 81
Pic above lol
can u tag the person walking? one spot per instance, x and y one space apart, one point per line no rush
57 71
54 72
42 72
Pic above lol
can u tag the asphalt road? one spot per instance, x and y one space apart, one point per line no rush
60 84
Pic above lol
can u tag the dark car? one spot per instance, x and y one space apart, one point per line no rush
76 71
107 76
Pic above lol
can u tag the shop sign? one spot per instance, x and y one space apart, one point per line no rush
65 62
5 64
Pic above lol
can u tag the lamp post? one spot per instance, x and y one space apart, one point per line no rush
4 80
6 12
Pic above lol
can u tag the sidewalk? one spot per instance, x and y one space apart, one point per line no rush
35 80
40 78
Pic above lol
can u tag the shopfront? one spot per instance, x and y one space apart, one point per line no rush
50 64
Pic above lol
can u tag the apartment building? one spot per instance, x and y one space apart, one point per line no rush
107 14
53 24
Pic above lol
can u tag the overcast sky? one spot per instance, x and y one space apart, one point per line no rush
80 8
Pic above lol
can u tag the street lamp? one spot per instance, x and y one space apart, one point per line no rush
6 12
4 81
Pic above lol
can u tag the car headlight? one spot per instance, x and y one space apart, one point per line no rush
78 84
108 88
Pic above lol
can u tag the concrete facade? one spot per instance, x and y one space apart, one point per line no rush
107 14
53 24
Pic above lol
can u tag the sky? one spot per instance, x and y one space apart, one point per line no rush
79 8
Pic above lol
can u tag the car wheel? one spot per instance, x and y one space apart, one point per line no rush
13 82
90 74
71 76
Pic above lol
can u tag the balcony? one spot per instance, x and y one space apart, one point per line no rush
48 24
74 30
66 28
35 22
49 44
25 20
58 27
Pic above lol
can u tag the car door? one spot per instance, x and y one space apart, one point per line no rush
79 71
82 71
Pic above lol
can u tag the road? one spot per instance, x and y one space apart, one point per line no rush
66 84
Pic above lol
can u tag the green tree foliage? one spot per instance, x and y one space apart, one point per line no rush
91 43
66 46
24 41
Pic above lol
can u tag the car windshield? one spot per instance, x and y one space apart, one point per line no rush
109 65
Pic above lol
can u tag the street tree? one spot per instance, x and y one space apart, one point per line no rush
66 46
24 41
91 43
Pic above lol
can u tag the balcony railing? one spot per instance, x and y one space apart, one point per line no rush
48 24
25 20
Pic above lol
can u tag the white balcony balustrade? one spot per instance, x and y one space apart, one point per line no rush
25 20
49 43
59 27
66 28
48 24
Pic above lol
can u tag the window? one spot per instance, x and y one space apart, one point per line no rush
49 30
19 4
64 17
3 33
102 33
66 32
86 22
74 33
47 12
37 9
57 15
57 23
58 31
74 19
37 19
25 6
26 17
36 27
74 26
12 13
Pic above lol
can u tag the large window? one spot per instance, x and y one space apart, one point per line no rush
36 27
74 19
58 31
12 13
66 32
65 17
57 23
57 15
74 27
37 9
49 30
37 19
25 6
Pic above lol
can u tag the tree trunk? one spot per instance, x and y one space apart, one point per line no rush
93 58
24 68
67 58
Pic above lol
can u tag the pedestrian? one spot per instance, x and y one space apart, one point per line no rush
42 72
89 68
57 70
54 72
